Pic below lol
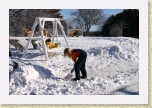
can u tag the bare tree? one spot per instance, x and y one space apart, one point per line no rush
102 22
70 26
87 17
14 12
16 20
65 25
24 18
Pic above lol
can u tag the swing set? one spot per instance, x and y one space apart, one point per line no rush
44 48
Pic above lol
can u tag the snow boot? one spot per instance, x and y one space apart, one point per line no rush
83 77
77 78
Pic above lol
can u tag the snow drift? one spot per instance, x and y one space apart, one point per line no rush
112 67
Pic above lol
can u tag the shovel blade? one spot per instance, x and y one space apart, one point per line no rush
68 77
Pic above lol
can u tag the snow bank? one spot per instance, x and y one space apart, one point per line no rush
23 74
111 64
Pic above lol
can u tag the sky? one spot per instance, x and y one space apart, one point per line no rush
65 13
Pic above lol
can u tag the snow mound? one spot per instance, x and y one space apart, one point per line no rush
112 67
23 74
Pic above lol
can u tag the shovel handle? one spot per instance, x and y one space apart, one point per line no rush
72 70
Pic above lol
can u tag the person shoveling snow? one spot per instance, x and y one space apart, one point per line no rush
79 57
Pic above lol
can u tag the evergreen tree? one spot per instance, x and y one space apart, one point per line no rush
127 22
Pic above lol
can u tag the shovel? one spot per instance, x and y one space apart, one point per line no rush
69 76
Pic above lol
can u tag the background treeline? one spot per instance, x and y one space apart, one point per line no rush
125 24
20 19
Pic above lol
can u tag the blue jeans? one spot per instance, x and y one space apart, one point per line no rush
80 64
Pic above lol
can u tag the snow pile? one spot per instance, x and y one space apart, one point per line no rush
23 74
112 66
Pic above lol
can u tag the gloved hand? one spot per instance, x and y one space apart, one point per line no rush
72 70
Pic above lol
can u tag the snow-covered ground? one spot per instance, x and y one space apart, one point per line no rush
112 66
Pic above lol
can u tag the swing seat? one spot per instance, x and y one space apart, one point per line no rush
57 46
51 45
